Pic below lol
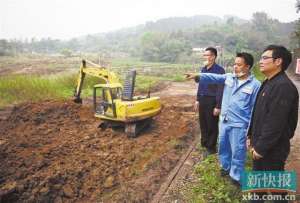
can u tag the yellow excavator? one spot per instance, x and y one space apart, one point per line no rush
116 104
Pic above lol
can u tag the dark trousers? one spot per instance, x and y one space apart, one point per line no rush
208 123
268 165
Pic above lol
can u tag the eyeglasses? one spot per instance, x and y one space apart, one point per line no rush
263 58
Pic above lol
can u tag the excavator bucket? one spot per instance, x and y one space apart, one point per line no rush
77 100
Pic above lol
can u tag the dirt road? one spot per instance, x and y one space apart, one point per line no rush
293 162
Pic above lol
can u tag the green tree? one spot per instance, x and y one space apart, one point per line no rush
151 43
297 31
66 52
261 21
170 50
4 47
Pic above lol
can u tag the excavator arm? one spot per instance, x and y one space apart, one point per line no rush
107 77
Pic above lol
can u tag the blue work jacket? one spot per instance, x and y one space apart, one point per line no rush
238 101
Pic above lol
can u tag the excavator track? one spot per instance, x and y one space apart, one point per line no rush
133 129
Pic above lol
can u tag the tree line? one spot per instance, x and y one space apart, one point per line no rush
171 40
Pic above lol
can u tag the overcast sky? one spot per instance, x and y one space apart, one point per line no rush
64 19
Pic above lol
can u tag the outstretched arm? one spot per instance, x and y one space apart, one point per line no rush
211 78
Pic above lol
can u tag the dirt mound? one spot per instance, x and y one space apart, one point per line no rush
53 152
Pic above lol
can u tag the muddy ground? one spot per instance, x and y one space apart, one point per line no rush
53 152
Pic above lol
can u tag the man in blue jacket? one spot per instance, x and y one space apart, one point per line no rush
208 103
238 100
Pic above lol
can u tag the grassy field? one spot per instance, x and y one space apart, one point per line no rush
16 89
40 78
28 78
23 88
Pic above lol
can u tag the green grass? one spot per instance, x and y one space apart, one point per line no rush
145 82
137 63
23 88
211 187
178 78
16 89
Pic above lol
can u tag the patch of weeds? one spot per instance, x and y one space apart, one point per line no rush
178 78
173 143
211 187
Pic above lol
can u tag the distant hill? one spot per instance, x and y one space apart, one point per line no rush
172 39
172 24
128 39
181 23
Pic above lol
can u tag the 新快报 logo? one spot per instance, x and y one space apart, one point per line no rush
273 181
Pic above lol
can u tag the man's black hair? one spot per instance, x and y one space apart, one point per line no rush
280 52
212 50
248 58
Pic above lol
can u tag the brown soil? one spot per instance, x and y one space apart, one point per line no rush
53 152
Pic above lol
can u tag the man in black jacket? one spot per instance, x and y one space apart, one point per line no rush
275 113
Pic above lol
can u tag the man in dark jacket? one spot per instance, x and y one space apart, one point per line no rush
275 113
208 103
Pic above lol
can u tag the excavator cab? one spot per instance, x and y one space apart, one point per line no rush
104 96
108 93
